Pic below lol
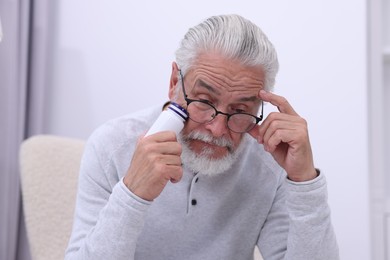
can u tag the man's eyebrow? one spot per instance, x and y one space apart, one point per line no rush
210 88
250 99
205 85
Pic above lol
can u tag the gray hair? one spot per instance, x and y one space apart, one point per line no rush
235 38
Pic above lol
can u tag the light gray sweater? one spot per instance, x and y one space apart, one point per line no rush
201 217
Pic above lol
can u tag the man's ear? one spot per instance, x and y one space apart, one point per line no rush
174 80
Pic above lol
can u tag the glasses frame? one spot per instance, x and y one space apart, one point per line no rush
189 101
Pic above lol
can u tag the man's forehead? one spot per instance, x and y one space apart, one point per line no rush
226 73
203 84
242 95
215 57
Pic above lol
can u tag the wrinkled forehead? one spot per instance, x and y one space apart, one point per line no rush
219 75
242 93
229 70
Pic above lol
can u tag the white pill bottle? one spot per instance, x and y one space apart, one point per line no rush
170 119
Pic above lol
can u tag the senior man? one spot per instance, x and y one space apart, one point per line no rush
227 183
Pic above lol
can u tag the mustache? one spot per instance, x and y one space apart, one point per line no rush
222 141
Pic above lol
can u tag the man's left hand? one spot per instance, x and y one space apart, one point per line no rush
285 136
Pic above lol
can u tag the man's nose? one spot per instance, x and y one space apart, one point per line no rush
218 126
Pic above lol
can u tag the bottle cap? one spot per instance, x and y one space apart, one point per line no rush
178 110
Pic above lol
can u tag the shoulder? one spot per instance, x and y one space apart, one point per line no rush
127 126
122 131
261 163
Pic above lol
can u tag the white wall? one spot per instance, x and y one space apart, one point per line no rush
114 57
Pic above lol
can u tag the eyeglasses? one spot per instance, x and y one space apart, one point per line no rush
203 112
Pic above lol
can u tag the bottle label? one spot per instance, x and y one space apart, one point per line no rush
178 110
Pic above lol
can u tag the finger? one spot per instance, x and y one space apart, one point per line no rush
277 137
171 160
278 127
163 136
173 173
150 147
255 133
173 148
280 102
259 130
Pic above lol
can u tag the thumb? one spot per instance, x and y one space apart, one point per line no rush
255 133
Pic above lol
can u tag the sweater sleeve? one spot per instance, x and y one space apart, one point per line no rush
108 217
299 223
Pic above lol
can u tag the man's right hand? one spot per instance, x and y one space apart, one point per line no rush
156 161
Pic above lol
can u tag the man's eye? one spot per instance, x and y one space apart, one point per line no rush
240 111
206 101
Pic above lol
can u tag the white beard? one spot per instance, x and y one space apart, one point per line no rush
203 162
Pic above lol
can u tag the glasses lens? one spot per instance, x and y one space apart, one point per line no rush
241 123
201 112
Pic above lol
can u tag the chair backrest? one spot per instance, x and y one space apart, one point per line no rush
49 172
